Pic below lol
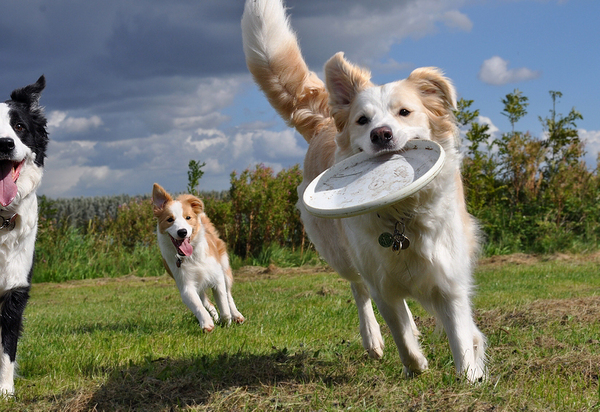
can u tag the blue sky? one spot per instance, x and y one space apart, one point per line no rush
138 88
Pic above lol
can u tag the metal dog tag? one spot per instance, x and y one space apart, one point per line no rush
386 239
397 241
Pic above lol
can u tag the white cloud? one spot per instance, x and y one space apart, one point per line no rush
213 166
59 120
193 122
275 145
456 20
366 31
280 144
495 71
66 169
391 66
242 145
592 145
493 130
207 138
75 168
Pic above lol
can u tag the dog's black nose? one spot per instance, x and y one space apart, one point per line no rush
7 144
182 233
381 135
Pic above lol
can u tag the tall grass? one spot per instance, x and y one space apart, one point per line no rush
126 245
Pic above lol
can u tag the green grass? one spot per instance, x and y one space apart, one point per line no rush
129 343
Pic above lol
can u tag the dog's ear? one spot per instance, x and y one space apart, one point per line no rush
197 205
344 81
437 92
159 197
30 95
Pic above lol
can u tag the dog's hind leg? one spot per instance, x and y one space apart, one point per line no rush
236 316
369 328
11 319
209 306
221 298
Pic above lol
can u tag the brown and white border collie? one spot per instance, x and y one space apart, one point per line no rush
349 114
195 257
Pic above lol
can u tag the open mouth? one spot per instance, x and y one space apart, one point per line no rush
183 246
9 173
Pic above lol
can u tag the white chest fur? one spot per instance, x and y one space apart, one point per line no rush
17 246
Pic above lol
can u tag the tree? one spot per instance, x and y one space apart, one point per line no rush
195 173
515 107
565 172
563 141
478 133
478 166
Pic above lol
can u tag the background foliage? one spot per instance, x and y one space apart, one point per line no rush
530 194
533 195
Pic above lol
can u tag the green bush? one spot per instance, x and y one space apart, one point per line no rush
530 195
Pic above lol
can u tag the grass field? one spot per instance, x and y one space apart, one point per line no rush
130 344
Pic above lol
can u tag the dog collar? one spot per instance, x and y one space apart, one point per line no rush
8 223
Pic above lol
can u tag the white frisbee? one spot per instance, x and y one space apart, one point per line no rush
365 183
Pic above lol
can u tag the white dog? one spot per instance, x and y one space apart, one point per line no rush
347 115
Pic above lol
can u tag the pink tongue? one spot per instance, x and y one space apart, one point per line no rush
186 247
8 187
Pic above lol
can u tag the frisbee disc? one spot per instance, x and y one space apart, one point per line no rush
365 183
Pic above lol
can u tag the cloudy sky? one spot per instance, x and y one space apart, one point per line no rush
136 89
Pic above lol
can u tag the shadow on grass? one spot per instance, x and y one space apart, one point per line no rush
165 383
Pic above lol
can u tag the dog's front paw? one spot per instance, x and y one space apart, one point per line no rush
374 345
375 353
239 318
477 374
207 326
416 367
225 321
7 391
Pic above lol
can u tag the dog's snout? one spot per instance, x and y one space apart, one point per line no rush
381 135
7 144
182 233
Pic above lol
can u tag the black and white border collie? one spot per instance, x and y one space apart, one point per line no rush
23 142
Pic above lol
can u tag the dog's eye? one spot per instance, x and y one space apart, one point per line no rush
362 120
19 127
404 112
188 217
170 220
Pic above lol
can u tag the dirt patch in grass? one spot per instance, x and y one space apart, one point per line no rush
584 310
250 273
531 259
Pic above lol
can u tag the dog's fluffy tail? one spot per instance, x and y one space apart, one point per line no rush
274 59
